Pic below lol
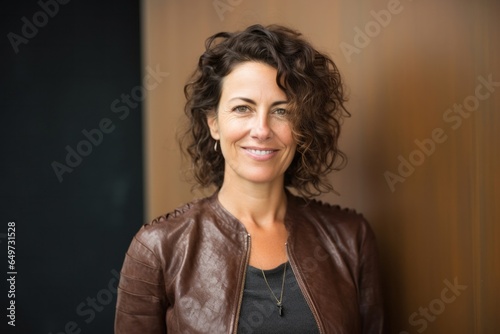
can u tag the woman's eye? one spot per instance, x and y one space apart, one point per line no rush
241 109
280 111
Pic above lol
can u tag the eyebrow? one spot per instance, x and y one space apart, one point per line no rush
275 103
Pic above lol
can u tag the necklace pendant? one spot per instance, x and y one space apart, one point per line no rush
280 309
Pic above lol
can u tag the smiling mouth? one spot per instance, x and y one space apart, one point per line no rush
260 152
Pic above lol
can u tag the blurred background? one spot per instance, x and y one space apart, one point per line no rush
91 99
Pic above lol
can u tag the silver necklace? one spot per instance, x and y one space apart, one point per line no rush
279 302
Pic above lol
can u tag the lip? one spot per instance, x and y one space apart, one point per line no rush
260 153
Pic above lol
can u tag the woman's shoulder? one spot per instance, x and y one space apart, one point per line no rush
174 222
325 210
176 215
329 216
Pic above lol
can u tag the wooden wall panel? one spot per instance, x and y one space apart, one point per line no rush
437 227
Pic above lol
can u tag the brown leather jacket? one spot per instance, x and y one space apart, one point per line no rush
185 271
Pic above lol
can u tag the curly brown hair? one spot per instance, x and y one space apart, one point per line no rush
313 87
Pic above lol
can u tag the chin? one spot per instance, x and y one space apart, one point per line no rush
261 178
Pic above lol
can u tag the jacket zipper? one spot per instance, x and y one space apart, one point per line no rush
236 320
302 287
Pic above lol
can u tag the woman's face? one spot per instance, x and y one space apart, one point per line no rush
252 126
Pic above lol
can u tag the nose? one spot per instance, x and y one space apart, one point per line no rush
261 128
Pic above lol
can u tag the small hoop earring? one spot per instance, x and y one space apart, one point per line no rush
215 146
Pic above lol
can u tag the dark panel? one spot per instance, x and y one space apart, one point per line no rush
58 82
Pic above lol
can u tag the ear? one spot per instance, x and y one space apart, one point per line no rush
213 125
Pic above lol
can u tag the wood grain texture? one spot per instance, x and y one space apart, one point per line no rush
439 223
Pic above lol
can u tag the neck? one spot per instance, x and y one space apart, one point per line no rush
256 204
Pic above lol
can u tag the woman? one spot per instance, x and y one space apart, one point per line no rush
264 109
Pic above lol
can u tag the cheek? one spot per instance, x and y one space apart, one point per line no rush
232 129
286 135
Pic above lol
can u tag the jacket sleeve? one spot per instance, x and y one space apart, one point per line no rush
370 292
141 302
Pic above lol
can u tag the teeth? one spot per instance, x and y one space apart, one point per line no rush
260 152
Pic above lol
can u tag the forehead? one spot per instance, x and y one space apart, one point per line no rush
253 78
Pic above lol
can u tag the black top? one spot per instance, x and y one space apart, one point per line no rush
259 311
